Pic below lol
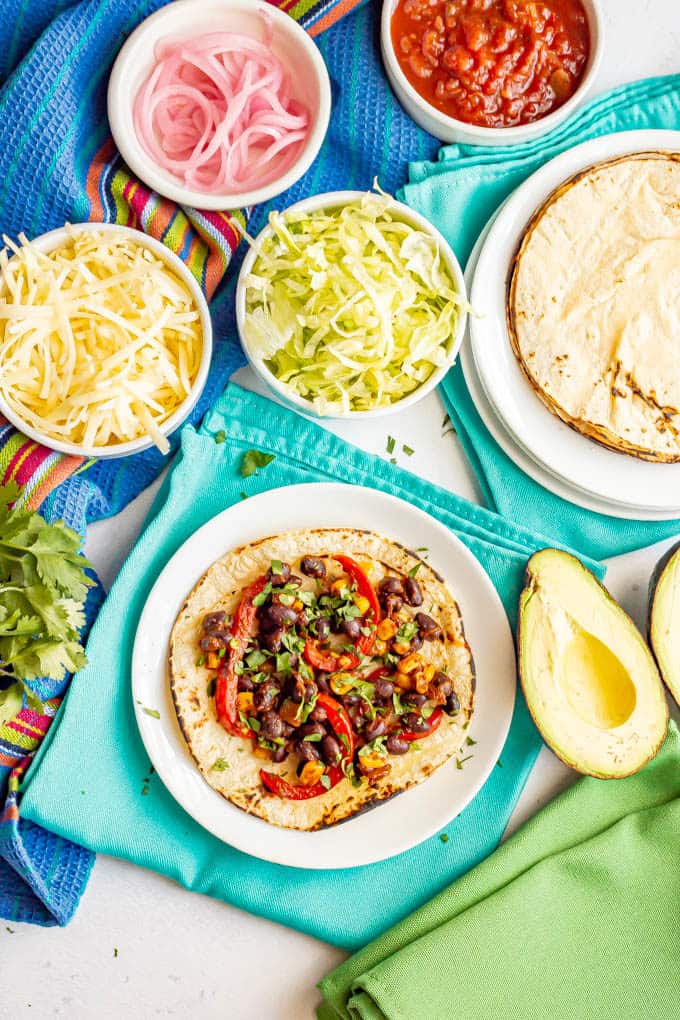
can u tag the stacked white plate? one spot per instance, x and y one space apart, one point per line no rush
560 459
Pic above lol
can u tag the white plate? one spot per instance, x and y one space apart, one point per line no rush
405 820
614 477
521 457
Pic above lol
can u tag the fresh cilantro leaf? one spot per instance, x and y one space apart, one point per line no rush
243 495
260 599
11 701
220 437
210 689
444 838
390 444
255 658
254 459
414 570
470 742
325 781
313 738
276 567
254 724
219 765
154 713
408 450
200 661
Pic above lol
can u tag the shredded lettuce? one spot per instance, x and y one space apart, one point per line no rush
350 308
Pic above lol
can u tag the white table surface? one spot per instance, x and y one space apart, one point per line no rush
141 946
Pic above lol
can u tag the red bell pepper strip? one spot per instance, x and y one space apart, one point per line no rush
340 721
282 788
433 721
327 660
226 688
364 644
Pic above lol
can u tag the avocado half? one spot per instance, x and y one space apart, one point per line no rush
664 618
588 677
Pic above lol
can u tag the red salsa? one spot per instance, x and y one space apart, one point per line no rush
494 63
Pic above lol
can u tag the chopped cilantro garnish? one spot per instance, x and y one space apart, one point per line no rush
390 444
407 631
260 599
220 437
210 687
408 450
276 567
470 742
461 761
444 838
219 765
222 652
255 658
152 712
313 738
414 570
243 495
200 661
254 459
283 662
325 781
254 724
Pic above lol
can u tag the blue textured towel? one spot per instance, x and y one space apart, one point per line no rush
55 56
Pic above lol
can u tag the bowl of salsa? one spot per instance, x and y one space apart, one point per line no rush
490 72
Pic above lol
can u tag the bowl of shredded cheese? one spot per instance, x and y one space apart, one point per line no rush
105 340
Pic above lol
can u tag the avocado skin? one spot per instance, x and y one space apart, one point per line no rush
525 596
654 581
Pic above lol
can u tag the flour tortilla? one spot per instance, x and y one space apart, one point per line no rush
220 589
593 308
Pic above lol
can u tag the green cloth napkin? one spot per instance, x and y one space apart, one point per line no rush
577 916
91 782
459 194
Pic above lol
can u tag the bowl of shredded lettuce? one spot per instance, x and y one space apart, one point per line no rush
350 304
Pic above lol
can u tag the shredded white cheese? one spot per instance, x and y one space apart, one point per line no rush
99 341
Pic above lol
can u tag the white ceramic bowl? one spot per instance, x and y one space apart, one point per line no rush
333 200
55 238
450 130
187 18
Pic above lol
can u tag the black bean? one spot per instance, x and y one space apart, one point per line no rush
384 688
412 592
356 716
395 745
417 700
318 714
279 578
429 628
266 695
331 751
272 640
375 728
391 586
322 683
442 687
307 750
351 699
310 690
296 689
352 629
416 643
213 619
271 725
452 704
312 566
245 683
282 616
308 729
414 723
211 643
322 627
393 604
280 754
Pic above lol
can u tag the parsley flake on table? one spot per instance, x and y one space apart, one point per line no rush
220 437
153 712
254 459
43 586
390 444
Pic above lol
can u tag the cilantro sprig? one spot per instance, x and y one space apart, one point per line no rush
43 586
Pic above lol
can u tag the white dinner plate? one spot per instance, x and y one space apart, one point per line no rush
583 464
521 457
401 822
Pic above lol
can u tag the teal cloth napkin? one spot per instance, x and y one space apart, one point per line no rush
459 194
91 781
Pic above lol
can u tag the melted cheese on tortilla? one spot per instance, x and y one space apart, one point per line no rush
99 341
596 306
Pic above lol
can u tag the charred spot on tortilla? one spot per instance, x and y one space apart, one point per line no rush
422 631
594 274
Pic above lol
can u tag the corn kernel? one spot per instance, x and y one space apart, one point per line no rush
379 647
312 772
403 680
419 681
346 661
339 585
262 752
298 605
368 566
401 648
341 683
372 760
387 629
429 672
213 660
409 664
362 604
245 702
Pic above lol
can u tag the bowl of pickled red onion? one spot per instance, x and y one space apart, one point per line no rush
219 104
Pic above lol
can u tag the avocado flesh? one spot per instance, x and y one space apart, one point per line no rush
664 623
589 679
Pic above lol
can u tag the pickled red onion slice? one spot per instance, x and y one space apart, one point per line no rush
217 112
